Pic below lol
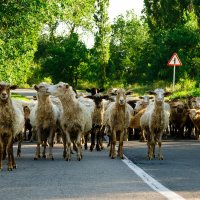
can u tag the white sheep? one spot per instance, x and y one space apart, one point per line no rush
154 121
75 119
11 124
44 118
117 117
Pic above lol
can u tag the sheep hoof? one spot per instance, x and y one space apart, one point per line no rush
98 148
112 157
14 167
91 148
35 158
39 156
67 159
44 156
161 158
9 168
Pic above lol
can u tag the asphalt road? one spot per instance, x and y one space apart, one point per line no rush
179 171
96 176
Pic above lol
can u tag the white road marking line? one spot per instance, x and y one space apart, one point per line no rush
155 185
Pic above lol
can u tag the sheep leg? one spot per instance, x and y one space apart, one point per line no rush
29 134
20 138
24 134
68 156
85 141
44 144
160 156
39 142
78 142
13 160
151 150
51 138
92 139
113 143
98 139
64 145
148 145
10 153
102 136
120 152
1 155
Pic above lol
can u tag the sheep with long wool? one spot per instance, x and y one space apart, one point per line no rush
117 118
44 118
11 124
75 119
154 121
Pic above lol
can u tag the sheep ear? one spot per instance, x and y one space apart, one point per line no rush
13 87
105 97
128 93
34 97
88 90
89 96
67 86
151 92
114 94
101 90
167 94
198 112
36 87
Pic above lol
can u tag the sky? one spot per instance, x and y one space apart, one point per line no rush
118 7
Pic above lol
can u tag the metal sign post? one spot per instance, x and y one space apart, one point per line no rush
174 61
174 78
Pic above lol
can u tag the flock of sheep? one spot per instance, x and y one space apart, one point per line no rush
59 110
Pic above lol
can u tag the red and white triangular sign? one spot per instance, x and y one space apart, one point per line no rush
174 60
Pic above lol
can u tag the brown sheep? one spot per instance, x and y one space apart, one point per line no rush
178 118
11 124
117 118
195 117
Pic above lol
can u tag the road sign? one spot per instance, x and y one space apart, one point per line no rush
174 60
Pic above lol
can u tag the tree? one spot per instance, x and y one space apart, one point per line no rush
20 27
102 38
128 37
62 60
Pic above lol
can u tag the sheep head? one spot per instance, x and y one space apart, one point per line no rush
121 96
42 89
61 89
5 90
159 95
97 98
94 91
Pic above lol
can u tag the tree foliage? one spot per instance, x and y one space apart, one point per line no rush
102 38
20 26
131 50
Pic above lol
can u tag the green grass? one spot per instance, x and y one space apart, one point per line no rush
20 97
